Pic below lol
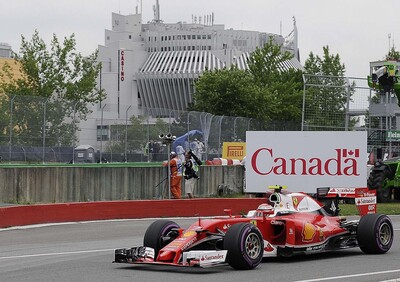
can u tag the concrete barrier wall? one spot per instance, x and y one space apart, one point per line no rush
47 184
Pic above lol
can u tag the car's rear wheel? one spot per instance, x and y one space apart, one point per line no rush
375 233
245 246
159 234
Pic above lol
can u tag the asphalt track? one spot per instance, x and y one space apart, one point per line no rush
84 252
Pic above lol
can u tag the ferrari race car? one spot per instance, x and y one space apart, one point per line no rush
287 224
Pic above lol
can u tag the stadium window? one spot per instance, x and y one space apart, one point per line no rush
130 36
184 37
209 36
102 132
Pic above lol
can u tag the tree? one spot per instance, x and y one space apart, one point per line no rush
55 85
139 133
393 54
326 101
265 91
227 91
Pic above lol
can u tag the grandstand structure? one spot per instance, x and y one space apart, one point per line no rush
154 65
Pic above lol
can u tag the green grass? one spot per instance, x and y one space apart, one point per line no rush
131 164
384 208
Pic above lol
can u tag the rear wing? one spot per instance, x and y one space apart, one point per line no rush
364 199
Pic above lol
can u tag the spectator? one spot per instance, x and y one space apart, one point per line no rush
149 150
176 175
194 147
201 149
190 172
180 152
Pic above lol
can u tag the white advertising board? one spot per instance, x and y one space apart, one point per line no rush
305 160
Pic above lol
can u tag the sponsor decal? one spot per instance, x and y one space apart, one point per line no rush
122 64
149 253
235 151
189 243
204 258
316 248
277 222
268 247
342 192
254 222
296 201
366 201
344 162
308 232
189 233
212 257
226 226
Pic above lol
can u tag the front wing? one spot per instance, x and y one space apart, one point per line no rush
145 255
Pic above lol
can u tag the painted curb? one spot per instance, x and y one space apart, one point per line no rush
72 212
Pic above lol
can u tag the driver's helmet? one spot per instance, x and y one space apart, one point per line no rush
266 208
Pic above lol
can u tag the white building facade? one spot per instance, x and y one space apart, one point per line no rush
155 65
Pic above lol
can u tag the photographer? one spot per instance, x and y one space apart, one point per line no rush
190 172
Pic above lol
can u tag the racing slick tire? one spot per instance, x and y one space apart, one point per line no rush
157 234
376 180
245 246
375 233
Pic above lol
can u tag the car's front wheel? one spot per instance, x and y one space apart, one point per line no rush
245 246
159 234
375 233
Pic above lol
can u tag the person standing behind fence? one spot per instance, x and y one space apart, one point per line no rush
180 152
176 175
190 172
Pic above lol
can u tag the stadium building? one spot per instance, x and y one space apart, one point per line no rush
154 65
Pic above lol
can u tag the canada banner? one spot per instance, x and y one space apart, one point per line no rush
305 160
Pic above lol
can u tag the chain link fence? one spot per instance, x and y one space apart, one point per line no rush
36 129
347 103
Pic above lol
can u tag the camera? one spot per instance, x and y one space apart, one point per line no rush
167 138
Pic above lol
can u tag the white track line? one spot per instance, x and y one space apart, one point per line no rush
57 254
350 276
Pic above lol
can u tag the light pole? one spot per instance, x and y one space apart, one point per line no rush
73 141
44 129
168 139
219 137
101 133
11 120
126 132
234 129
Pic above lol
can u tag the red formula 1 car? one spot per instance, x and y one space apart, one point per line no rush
289 224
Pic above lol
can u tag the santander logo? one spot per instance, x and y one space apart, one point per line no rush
343 162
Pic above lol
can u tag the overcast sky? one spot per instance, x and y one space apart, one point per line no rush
357 30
